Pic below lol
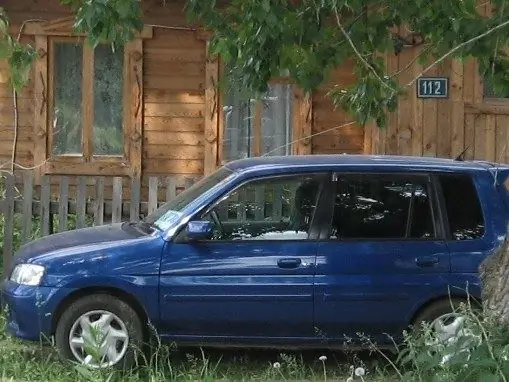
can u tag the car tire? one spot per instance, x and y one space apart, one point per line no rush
100 311
442 315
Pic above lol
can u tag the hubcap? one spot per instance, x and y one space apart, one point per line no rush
447 327
98 339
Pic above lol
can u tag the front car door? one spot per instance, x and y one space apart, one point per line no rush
253 278
383 254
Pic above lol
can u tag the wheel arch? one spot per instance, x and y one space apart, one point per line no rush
126 297
457 297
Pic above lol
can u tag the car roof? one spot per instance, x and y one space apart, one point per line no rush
319 161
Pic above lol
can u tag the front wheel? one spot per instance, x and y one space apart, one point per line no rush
99 331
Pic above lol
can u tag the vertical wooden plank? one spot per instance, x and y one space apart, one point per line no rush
404 111
260 193
99 201
81 202
469 136
45 205
116 200
302 122
490 148
444 117
171 188
87 102
41 84
28 193
417 143
501 138
211 111
134 212
134 58
429 122
153 183
10 193
63 204
277 208
257 129
479 136
457 109
391 136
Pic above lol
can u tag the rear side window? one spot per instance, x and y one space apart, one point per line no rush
463 208
382 207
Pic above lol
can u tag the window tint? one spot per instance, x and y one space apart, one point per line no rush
462 206
382 207
270 209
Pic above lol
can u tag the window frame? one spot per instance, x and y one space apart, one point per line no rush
448 236
128 164
302 119
434 205
314 225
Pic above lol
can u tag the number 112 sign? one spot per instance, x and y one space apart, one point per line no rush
433 87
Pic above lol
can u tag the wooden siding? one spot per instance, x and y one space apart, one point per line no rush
181 127
331 132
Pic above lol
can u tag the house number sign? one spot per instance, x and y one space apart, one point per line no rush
432 87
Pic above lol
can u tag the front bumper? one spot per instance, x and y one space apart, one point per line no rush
29 309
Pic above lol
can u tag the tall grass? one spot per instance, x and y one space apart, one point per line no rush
478 352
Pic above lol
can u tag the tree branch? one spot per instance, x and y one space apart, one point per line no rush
458 47
357 53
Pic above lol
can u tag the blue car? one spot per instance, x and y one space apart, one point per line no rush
295 251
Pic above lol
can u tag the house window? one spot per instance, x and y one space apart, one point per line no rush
256 127
87 105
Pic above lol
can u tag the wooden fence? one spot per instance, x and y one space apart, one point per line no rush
28 211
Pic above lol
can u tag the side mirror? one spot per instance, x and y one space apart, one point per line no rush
199 230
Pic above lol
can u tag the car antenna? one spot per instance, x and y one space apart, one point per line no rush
461 157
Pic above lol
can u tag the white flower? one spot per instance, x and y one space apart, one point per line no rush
323 358
276 365
349 379
359 372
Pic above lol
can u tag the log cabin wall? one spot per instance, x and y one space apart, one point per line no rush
186 128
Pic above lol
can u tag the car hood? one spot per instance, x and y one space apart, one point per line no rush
108 235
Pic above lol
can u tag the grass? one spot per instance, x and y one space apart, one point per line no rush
21 361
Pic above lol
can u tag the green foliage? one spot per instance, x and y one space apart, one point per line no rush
19 56
114 21
259 38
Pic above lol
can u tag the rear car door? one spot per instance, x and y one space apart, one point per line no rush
383 254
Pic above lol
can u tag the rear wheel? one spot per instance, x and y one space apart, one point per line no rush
446 318
99 331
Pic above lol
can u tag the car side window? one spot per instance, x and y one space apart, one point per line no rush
278 208
382 207
462 205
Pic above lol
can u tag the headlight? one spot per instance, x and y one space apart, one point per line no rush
27 274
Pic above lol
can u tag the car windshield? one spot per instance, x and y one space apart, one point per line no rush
168 213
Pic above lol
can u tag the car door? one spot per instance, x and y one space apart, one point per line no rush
383 254
254 277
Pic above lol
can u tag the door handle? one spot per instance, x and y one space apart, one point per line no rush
289 263
426 261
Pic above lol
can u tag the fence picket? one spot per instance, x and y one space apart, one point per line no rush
153 184
28 189
9 221
63 205
44 211
99 201
134 214
116 204
171 189
81 200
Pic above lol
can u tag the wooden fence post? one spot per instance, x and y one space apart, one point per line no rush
8 221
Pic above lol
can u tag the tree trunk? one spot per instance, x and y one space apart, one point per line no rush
494 276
